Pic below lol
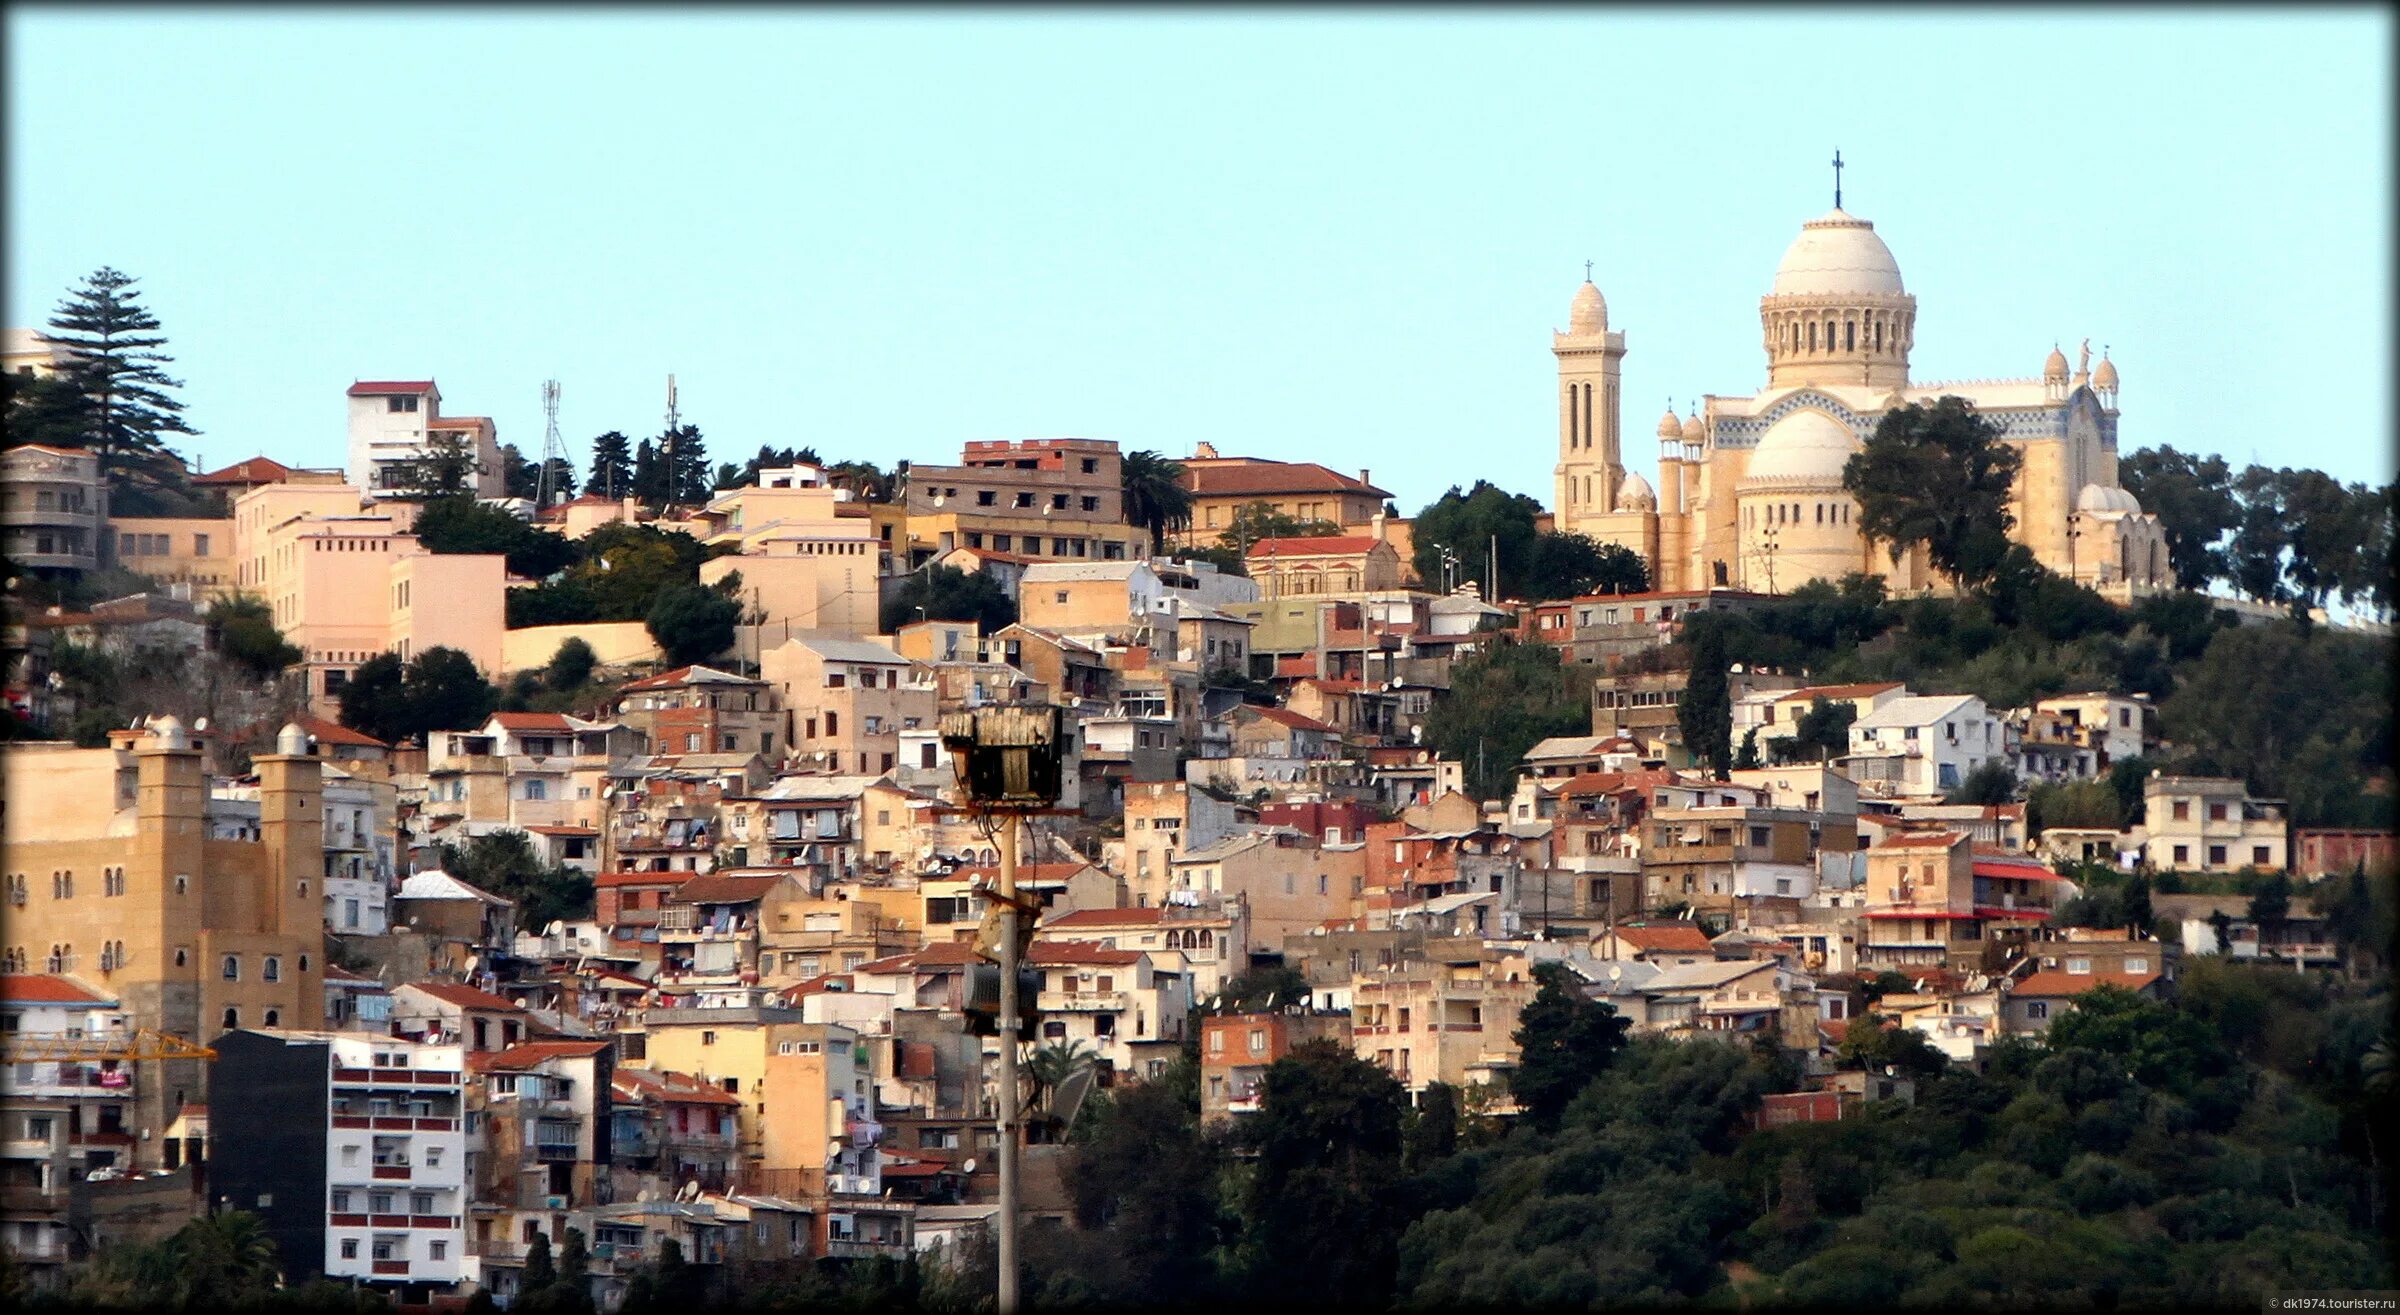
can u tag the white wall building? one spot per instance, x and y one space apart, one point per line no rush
390 422
1924 745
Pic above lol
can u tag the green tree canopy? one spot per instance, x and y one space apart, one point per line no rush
505 863
571 665
2192 496
693 623
1564 1041
1502 702
612 466
1705 712
1939 476
1573 565
459 524
1253 521
437 690
1466 525
242 628
1323 1216
945 593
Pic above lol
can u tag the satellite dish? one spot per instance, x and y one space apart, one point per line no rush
969 1166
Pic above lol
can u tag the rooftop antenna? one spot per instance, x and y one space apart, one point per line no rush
1837 177
668 455
554 452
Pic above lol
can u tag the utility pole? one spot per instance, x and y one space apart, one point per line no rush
1009 1114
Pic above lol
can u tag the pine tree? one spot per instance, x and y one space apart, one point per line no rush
612 466
114 345
1705 713
684 454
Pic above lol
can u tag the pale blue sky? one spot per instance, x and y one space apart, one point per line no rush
1341 237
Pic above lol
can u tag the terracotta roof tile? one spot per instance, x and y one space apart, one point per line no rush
1677 937
49 988
1241 477
2055 984
1329 545
383 387
464 996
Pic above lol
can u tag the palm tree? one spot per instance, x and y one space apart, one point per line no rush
1155 497
223 1260
1054 1065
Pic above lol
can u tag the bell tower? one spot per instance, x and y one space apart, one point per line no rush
1590 369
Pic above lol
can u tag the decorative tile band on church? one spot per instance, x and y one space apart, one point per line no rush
1749 492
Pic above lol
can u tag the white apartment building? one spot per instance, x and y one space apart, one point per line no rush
353 1150
390 423
1924 745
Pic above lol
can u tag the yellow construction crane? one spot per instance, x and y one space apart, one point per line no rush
143 1045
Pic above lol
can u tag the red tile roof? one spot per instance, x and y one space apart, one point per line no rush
668 679
669 1085
463 996
1077 953
2015 870
715 889
1294 720
48 988
1328 545
533 721
2054 985
1109 918
1241 477
1674 937
1837 691
1921 840
526 1054
382 387
257 470
333 732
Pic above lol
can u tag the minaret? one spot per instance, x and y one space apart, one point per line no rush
1590 367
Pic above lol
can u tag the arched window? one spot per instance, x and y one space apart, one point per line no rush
274 1017
1820 513
1849 335
231 968
233 1018
274 969
1812 335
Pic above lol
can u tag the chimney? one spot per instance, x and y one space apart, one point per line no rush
1365 476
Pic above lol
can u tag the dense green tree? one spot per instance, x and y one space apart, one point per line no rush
1874 1043
2192 496
46 409
684 472
1564 1042
2254 555
693 623
541 1270
1467 525
1989 783
648 480
945 593
1155 497
1148 1174
1227 560
1322 1205
1745 756
438 689
114 345
1705 713
505 863
571 666
620 571
1573 565
1502 702
2071 804
2302 714
242 628
1823 732
612 466
459 524
1939 476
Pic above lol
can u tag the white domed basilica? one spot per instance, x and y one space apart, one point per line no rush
1749 492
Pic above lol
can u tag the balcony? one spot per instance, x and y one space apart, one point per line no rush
1072 1001
392 1172
860 1248
391 1269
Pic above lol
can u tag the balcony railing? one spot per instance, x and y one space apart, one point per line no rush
1101 1001
862 1248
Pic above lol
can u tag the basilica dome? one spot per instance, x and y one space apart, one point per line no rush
1837 254
1804 447
1635 493
2098 498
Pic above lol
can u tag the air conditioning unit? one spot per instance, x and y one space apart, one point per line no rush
554 1203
